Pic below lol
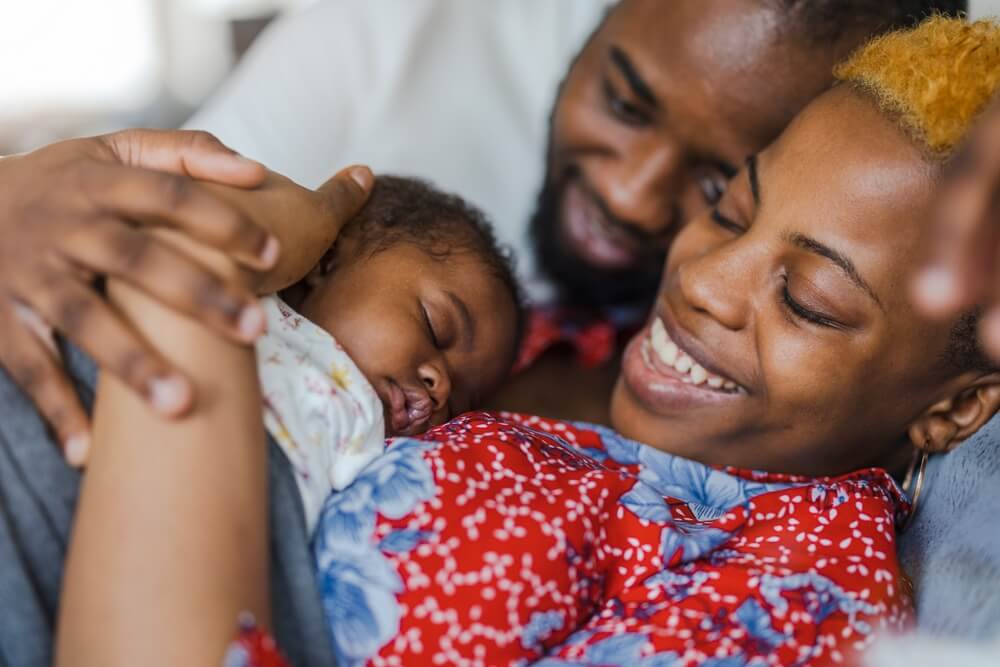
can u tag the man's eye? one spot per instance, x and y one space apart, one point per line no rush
712 189
622 109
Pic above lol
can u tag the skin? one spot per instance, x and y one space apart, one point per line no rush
726 82
961 266
639 156
823 397
399 315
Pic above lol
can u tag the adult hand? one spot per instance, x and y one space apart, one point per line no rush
80 210
963 265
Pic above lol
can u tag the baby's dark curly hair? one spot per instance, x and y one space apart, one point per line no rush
409 210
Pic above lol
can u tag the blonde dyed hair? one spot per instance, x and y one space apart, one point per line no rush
935 78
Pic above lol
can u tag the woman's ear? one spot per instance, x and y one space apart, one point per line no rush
948 423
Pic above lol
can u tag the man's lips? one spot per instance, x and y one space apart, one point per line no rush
408 410
587 229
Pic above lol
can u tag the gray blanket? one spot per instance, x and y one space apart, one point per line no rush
37 497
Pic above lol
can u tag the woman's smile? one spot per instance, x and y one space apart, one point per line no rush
666 369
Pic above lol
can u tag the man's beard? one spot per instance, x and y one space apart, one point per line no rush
578 282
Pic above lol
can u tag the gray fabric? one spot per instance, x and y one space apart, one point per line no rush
37 498
952 550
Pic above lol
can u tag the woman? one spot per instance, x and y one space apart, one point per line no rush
780 324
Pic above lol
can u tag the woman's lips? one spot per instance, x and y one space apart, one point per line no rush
588 231
408 411
664 377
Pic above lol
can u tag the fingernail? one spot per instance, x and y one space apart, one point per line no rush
245 159
269 254
168 395
937 289
77 448
251 322
362 176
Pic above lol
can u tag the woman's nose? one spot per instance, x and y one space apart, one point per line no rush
641 187
437 383
717 284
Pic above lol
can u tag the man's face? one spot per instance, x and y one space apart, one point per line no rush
659 109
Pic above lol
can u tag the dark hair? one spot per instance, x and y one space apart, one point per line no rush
409 210
833 19
964 353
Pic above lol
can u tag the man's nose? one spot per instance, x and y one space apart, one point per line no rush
640 186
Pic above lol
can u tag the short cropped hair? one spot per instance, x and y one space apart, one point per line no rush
934 81
825 20
410 210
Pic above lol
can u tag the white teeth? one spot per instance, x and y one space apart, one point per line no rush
684 364
671 355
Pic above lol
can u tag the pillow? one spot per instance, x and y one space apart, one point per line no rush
952 549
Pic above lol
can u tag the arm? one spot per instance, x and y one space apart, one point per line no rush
170 540
83 208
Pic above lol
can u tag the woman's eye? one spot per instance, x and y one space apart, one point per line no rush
430 327
805 313
712 189
622 109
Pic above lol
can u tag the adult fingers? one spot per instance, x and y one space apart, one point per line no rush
36 368
168 275
346 193
177 201
192 153
95 327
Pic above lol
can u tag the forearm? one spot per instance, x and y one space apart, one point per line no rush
170 541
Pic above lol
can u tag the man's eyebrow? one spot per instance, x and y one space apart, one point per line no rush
635 81
753 178
846 265
468 332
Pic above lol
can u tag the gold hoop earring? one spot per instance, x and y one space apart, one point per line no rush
913 482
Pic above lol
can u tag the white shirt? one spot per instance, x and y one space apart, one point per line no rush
318 406
458 92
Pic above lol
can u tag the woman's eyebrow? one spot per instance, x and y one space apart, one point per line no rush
843 262
639 87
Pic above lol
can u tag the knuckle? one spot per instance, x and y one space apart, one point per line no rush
129 251
176 190
200 139
71 313
133 366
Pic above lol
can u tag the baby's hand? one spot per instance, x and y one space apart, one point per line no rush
305 222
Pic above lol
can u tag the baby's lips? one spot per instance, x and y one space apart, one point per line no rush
418 405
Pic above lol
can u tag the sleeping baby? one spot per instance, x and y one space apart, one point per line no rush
411 319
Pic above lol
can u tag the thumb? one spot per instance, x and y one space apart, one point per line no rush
191 153
346 193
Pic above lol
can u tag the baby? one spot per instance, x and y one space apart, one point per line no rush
411 319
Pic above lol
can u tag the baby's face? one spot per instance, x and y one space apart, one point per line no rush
434 337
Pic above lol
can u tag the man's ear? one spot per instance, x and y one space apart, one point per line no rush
949 422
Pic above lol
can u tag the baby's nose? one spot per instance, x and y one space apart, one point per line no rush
437 383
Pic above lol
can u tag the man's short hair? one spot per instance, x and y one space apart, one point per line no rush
833 19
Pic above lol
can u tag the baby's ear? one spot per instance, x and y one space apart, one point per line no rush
948 423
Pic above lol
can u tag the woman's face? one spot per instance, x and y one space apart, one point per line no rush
794 289
654 117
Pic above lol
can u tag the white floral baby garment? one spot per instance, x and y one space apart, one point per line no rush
318 406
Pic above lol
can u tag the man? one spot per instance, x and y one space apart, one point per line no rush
662 103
